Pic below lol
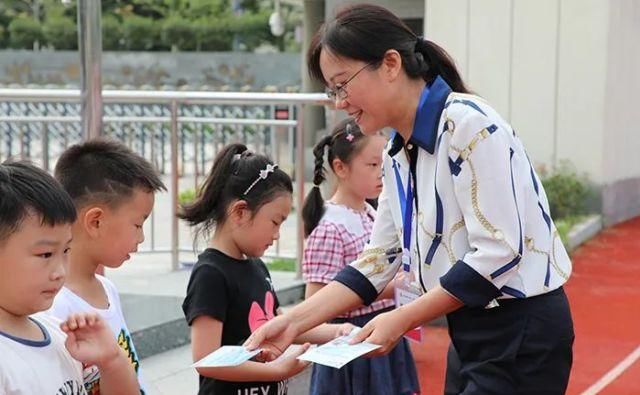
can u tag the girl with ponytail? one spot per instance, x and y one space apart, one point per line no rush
344 143
337 230
463 216
242 204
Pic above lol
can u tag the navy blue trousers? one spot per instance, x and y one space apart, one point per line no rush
522 347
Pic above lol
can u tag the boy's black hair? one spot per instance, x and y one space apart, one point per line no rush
103 171
27 190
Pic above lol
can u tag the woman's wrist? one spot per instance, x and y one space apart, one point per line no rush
297 320
404 318
433 304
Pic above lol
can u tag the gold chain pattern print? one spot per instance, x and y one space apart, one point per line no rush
531 246
376 259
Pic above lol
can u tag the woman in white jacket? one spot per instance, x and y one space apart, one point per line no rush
462 213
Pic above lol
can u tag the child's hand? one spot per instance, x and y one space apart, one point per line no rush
289 365
89 340
344 329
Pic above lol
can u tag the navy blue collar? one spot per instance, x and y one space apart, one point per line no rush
31 343
425 126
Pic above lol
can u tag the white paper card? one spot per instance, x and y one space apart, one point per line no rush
226 356
338 352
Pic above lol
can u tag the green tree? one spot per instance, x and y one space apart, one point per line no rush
24 32
179 33
22 8
3 37
139 33
214 35
208 25
111 33
252 29
205 8
60 32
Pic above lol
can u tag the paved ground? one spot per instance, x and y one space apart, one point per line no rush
169 374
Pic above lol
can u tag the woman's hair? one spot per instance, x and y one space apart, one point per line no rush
366 32
345 141
237 174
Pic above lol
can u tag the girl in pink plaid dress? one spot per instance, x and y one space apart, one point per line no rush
337 231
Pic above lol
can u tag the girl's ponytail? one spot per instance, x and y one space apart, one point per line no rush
313 208
207 208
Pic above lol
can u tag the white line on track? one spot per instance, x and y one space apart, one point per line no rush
613 373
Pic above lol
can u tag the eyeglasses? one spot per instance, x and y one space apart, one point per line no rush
339 92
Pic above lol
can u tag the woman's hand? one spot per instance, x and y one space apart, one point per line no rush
273 337
385 330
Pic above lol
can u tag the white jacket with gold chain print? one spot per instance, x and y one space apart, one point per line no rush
482 226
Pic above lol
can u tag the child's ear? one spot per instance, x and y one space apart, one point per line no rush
340 168
239 212
91 221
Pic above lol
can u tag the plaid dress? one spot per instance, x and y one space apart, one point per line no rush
337 241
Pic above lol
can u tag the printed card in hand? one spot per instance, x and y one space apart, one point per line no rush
338 352
226 356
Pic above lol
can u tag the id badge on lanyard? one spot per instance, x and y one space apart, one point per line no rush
407 289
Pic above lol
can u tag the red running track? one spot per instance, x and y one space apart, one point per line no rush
604 292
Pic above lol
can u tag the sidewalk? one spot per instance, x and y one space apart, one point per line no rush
170 373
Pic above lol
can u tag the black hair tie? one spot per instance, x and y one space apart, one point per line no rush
420 45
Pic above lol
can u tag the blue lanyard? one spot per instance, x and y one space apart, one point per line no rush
406 208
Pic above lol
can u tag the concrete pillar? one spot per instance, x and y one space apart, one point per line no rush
313 115
90 45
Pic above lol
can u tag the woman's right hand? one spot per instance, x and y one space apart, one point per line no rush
273 337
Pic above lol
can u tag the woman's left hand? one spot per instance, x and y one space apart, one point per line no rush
385 330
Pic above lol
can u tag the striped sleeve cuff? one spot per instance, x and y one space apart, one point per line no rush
358 283
468 286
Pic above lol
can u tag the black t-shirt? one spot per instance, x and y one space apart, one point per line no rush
239 293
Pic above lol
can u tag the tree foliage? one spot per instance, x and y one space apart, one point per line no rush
146 25
24 33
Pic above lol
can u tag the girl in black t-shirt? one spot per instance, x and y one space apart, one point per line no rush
244 200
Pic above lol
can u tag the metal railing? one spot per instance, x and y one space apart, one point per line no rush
158 124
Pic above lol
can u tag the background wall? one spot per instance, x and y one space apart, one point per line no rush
564 73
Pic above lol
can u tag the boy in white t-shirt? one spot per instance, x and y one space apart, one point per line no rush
39 354
113 190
